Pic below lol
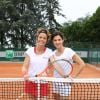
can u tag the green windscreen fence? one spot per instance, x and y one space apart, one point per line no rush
88 55
12 55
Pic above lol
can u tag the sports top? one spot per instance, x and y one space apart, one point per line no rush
37 63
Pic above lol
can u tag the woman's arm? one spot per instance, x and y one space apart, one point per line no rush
25 65
79 63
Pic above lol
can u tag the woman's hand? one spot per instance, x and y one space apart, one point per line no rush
24 73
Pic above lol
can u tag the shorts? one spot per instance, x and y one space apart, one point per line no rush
63 89
32 89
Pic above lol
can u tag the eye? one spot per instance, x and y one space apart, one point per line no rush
54 39
59 39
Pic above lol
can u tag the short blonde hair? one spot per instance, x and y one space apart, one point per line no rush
42 30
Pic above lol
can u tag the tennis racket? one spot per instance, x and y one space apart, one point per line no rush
63 67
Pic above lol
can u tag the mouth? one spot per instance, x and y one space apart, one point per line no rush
41 43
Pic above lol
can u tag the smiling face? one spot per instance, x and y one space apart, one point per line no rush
42 39
58 41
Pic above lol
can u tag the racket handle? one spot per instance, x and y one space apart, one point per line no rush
36 75
66 76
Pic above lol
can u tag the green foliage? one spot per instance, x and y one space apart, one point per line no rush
19 20
84 29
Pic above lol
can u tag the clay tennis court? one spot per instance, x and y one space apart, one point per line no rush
13 70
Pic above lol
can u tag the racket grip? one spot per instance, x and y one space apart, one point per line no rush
65 76
36 75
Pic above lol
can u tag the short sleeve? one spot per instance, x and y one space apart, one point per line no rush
71 53
29 51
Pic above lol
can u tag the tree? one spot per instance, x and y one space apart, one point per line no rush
23 17
73 30
95 26
84 29
4 23
52 8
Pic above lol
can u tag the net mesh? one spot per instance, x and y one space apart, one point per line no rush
53 89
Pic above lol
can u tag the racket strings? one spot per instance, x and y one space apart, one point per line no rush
65 65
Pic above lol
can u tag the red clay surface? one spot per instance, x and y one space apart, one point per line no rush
10 70
13 70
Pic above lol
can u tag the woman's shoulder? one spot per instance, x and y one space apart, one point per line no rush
48 49
49 52
30 49
68 49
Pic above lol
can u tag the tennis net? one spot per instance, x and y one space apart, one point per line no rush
55 89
